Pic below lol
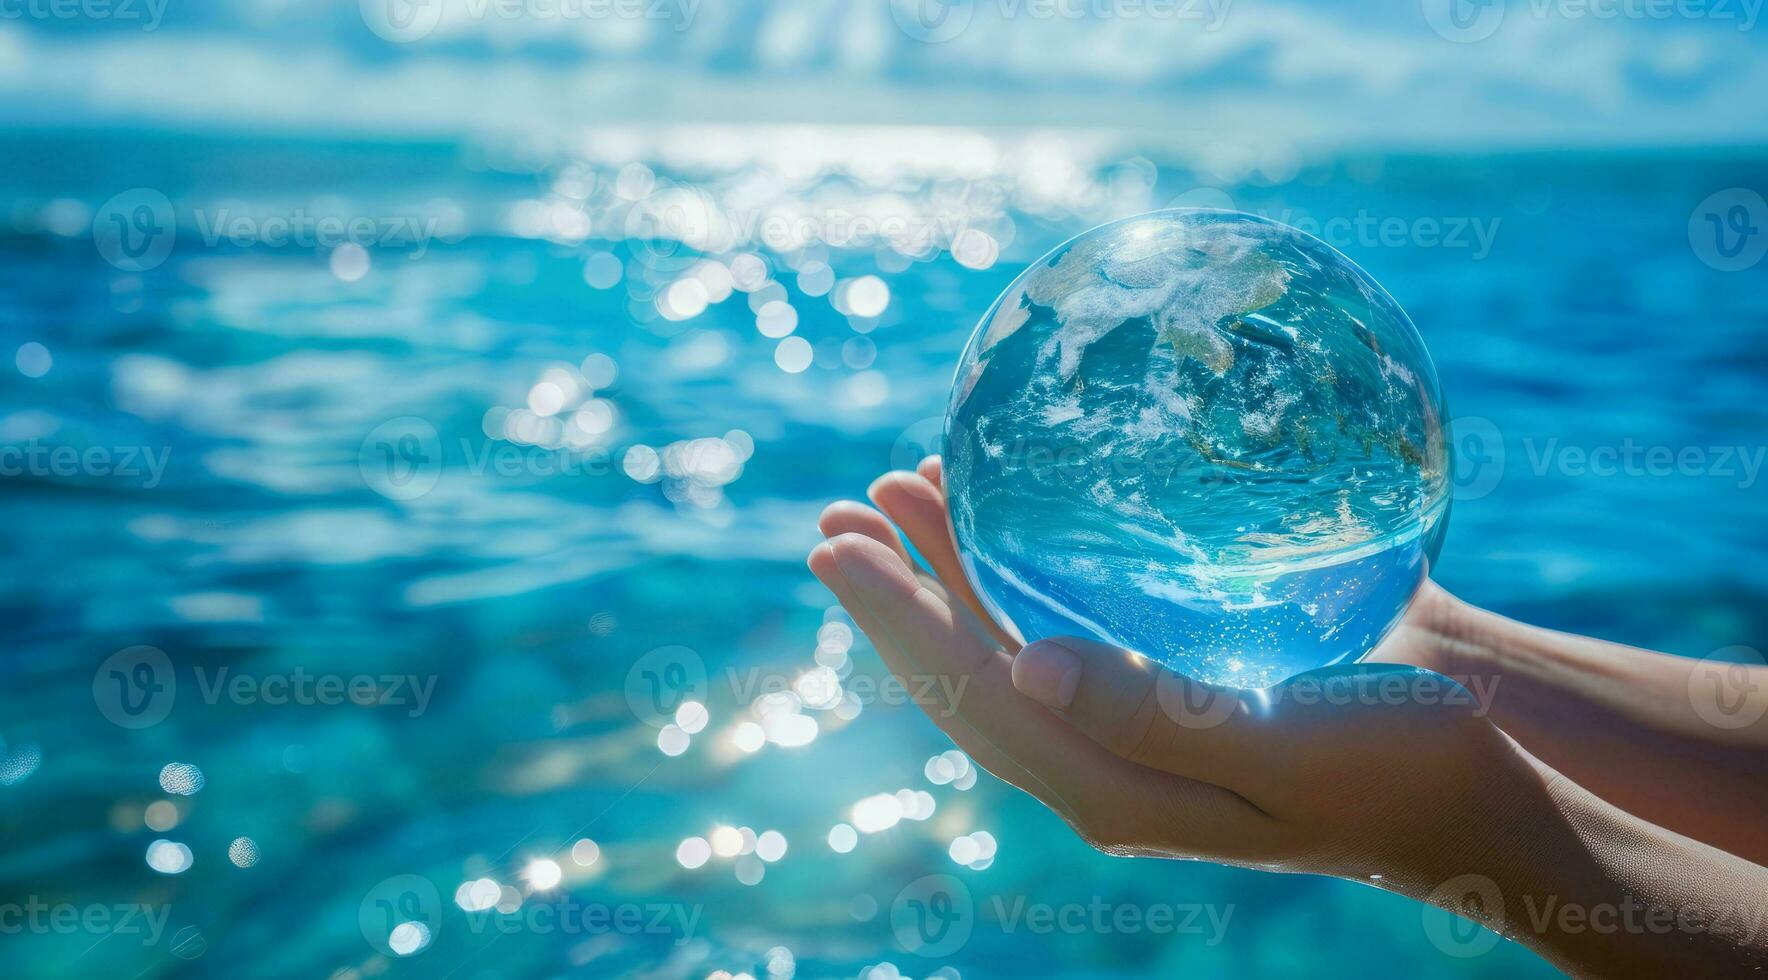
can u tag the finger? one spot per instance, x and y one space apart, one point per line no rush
852 517
1140 711
970 682
1109 798
823 565
991 719
849 517
932 469
918 619
918 508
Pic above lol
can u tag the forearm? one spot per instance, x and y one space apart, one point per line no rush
1601 893
1628 724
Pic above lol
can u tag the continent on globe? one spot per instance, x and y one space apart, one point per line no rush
1202 435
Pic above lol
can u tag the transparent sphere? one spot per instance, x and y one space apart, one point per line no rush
1202 435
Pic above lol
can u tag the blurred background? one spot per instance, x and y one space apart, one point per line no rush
414 416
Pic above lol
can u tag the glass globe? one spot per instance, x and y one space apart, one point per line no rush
1202 435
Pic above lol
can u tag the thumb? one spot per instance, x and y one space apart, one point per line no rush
1142 711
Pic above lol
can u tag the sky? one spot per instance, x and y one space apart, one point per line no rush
1390 74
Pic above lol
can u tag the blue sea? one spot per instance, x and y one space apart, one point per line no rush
433 514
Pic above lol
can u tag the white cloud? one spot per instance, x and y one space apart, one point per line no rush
1275 74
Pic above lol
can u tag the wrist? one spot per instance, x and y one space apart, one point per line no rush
1514 865
1454 638
1497 816
1599 892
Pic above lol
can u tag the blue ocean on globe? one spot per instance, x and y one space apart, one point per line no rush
1202 435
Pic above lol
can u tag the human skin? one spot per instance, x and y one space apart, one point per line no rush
1366 773
1680 742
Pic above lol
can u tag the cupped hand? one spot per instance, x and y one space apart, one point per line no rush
1377 771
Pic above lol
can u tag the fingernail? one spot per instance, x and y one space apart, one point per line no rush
912 483
1047 672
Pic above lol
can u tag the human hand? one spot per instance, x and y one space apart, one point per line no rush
1348 772
1364 772
1676 740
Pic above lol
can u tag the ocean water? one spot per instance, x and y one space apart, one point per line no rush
540 517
